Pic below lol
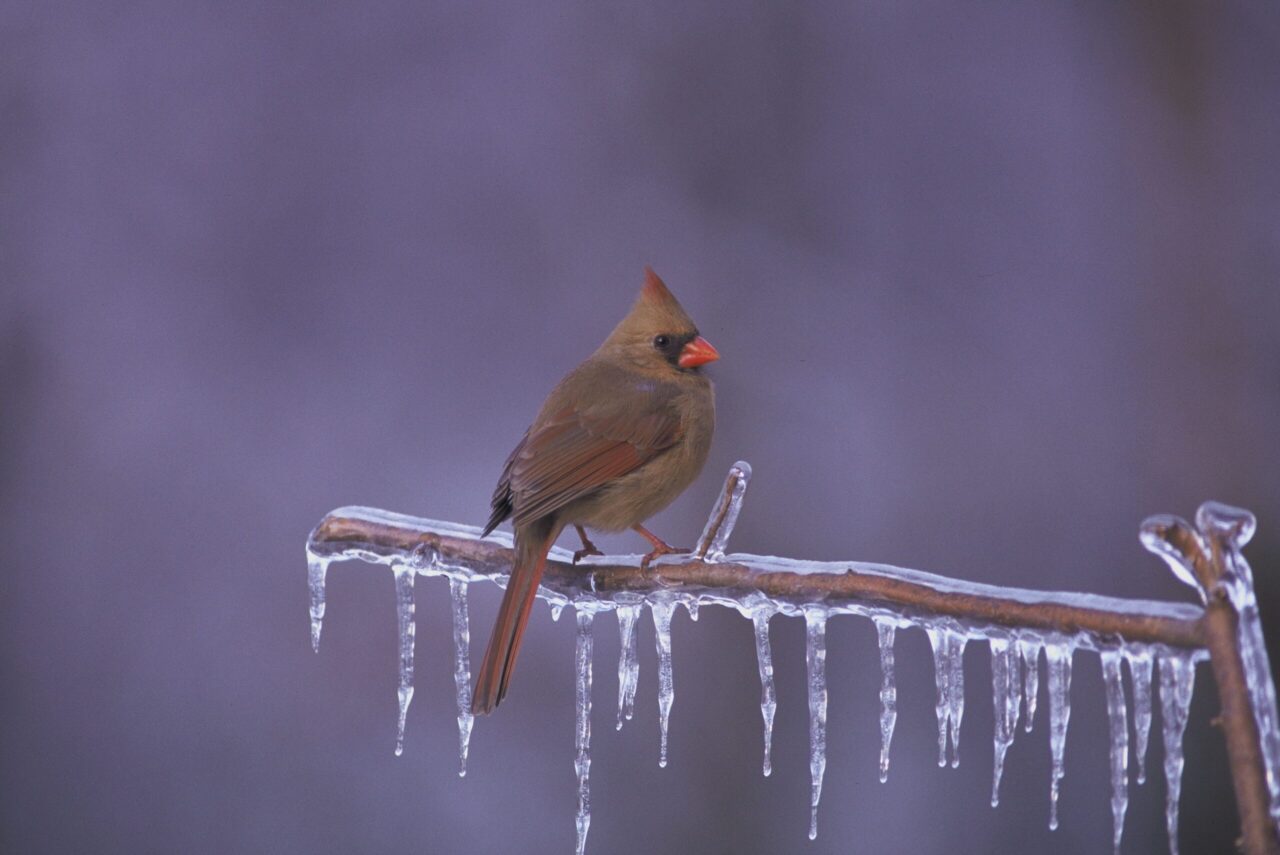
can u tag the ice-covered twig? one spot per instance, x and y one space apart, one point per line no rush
1015 624
842 587
1209 558
715 536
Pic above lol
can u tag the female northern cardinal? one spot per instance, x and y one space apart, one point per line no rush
620 437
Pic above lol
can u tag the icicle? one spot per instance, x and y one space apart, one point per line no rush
691 606
1177 680
1118 724
404 620
662 612
582 738
715 536
1058 655
1006 694
462 668
316 569
888 693
628 662
764 661
948 665
556 608
1030 651
942 678
816 665
1140 660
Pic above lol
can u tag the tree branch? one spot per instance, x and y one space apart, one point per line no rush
1209 560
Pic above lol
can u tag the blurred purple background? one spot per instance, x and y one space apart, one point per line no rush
992 283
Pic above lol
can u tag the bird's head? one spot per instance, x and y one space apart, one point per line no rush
658 335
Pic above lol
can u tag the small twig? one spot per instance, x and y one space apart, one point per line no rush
1202 556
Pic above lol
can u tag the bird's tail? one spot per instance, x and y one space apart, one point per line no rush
533 542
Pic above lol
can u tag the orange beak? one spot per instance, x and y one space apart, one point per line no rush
697 352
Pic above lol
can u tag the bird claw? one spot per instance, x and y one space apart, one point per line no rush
585 552
658 552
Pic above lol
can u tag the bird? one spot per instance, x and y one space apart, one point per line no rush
616 441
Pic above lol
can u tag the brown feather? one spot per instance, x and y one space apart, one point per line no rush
532 545
616 440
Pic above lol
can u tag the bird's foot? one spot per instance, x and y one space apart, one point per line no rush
660 547
585 552
588 548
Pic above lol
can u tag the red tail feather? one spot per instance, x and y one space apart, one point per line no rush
532 545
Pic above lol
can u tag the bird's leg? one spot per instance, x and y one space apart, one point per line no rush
588 548
660 547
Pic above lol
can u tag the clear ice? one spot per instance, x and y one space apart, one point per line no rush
1014 654
662 612
1222 531
407 628
628 661
1177 681
1140 659
462 668
1058 654
724 516
888 692
1232 528
815 658
764 662
1030 652
1006 695
316 570
582 733
948 642
1118 726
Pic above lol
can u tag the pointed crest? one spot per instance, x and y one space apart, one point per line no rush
655 290
656 310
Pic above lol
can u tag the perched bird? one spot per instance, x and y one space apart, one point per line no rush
617 439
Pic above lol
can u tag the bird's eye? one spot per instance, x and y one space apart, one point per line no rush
661 342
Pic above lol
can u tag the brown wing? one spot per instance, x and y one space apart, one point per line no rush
598 425
501 503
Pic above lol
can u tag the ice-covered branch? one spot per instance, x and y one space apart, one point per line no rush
1208 558
1016 625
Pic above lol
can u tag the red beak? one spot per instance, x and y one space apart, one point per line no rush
697 352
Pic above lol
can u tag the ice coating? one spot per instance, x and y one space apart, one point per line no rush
462 668
885 632
316 569
764 662
948 644
662 612
815 658
582 733
1177 681
715 536
493 568
1118 726
1262 697
1231 529
628 661
1140 659
1015 651
1151 535
407 629
1006 695
1058 655
1030 652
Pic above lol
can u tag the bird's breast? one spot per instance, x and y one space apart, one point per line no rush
635 497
